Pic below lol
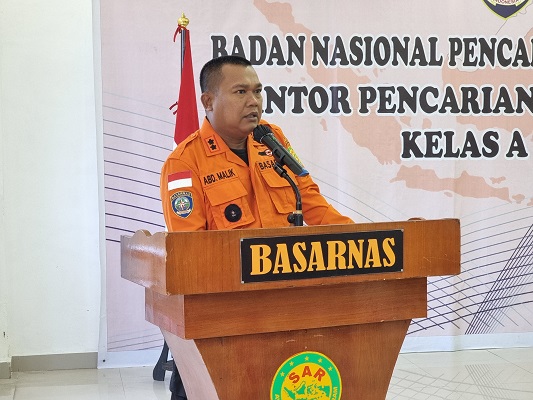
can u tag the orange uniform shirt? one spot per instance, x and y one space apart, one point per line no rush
204 185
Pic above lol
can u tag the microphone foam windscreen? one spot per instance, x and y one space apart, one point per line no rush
260 131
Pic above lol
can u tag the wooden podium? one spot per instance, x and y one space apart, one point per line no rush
230 339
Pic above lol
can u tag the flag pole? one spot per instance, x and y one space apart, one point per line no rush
183 21
186 109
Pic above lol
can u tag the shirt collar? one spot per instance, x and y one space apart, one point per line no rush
214 144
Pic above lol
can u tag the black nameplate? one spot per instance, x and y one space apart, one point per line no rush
318 256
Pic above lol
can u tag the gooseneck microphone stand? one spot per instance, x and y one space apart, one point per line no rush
297 217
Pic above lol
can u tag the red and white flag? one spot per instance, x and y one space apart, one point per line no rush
179 180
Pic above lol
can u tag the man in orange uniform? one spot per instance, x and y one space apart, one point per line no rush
220 178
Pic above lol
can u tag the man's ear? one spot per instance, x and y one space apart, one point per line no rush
207 101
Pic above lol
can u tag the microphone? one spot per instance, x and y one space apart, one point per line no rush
264 135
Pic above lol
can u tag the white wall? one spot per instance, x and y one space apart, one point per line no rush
49 207
3 267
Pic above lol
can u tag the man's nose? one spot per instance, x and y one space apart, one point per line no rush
254 98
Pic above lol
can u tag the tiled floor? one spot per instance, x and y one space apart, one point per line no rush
470 375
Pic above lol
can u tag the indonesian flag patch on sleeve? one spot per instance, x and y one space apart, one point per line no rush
179 180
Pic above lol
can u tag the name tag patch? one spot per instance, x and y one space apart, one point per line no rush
218 176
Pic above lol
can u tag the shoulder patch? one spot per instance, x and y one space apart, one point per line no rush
182 203
288 146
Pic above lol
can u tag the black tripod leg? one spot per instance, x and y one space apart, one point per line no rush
159 370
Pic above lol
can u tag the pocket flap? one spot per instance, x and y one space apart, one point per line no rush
272 178
225 191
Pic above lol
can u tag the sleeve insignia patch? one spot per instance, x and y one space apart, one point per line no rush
182 204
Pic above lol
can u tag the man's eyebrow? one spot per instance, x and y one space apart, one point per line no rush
245 86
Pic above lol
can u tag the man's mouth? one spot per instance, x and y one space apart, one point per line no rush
253 115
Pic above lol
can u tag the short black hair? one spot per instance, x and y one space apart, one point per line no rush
211 73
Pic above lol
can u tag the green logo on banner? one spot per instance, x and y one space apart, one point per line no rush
307 376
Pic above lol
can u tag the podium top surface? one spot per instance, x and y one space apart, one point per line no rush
210 261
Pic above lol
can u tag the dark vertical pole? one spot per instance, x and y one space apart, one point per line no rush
183 37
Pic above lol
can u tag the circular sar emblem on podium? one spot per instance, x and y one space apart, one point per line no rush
307 376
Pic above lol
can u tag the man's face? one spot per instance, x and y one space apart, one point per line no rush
234 109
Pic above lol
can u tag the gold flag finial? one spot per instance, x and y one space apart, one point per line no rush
183 20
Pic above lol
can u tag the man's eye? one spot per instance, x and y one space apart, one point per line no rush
241 91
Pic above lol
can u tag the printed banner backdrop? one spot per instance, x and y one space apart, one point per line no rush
398 109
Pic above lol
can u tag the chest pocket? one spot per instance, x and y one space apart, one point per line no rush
229 206
279 190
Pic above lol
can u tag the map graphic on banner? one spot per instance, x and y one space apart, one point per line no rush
397 109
